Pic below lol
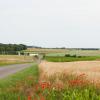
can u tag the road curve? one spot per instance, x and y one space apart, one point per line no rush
11 69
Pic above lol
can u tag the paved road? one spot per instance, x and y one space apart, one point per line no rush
11 69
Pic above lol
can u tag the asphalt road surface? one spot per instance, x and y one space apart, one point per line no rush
11 69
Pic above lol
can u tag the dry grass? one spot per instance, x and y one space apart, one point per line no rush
13 59
91 69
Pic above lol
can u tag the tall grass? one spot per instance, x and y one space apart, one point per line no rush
69 87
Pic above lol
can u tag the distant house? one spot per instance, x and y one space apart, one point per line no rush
28 54
31 54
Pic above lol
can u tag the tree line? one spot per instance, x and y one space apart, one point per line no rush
11 48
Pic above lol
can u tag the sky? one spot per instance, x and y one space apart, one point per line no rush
51 23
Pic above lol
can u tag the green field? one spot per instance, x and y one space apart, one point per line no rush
70 59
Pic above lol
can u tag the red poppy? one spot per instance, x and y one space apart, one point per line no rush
75 82
44 85
18 98
29 98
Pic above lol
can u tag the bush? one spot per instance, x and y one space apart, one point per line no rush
79 56
67 55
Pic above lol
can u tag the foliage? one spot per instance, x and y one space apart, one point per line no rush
11 48
68 55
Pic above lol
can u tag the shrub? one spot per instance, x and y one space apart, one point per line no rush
67 55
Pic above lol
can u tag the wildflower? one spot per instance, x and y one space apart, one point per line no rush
37 87
18 98
44 85
29 98
42 97
81 75
75 82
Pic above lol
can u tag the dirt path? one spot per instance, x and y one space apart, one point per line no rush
11 69
90 68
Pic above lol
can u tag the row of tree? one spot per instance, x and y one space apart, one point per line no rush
11 48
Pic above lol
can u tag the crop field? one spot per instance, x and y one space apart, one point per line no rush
76 52
14 59
71 80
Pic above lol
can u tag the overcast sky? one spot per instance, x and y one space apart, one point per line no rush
51 23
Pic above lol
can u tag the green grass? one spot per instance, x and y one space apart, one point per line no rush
70 59
74 94
10 86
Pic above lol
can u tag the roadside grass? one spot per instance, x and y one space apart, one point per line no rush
18 85
14 59
70 59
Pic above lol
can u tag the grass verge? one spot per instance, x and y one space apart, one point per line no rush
18 85
2 64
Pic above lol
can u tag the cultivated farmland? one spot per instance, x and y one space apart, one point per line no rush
61 75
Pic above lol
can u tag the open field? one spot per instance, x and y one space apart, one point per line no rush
62 52
77 52
41 50
14 59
